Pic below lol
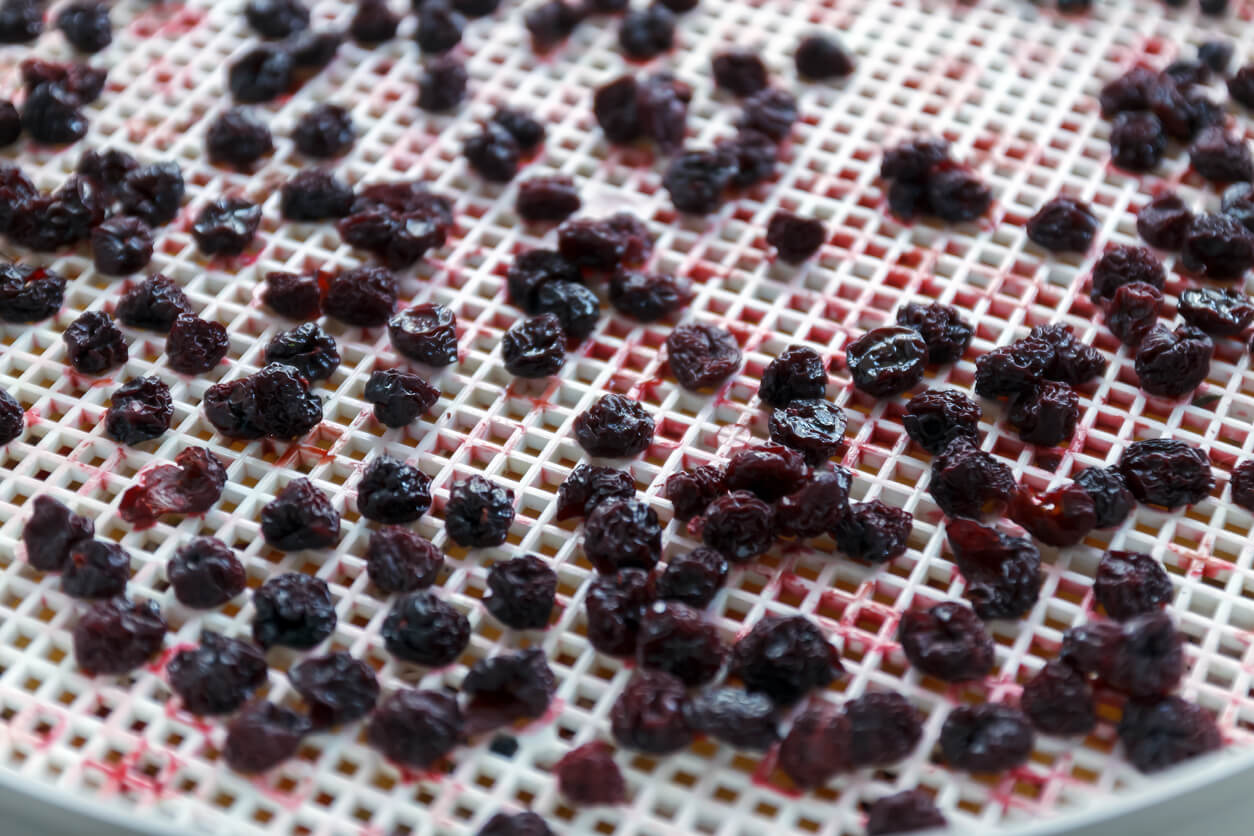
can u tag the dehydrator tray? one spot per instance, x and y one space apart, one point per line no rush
1011 84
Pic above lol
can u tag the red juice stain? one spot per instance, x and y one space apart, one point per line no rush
762 775
125 776
413 776
173 711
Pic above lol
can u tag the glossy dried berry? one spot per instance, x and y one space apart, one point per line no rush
903 812
1220 312
1058 700
195 346
276 18
51 113
51 532
1146 660
648 297
1045 414
1072 361
478 513
391 491
262 736
300 517
796 374
1129 584
696 180
739 526
338 688
153 193
873 532
1060 517
518 824
1063 224
1238 202
153 304
662 109
675 638
1133 312
702 356
794 238
373 23
416 728
820 57
607 244
217 676
1137 141
942 327
442 85
293 296
547 199
1217 155
735 717
986 738
937 417
1243 485
614 606
754 155
315 194
238 138
1002 573
274 402
884 729
493 153
968 482
588 486
622 534
93 344
140 410
12 418
694 578
205 573
1160 733
116 636
691 491
1164 222
191 485
817 507
1123 265
85 25
521 593
121 245
646 33
947 641
260 75
306 348
767 470
293 610
550 23
739 71
785 657
534 347
325 131
95 569
1217 246
576 307
507 688
226 226
887 361
614 427
363 296
426 334
1112 500
399 397
29 294
534 269
1172 364
817 747
648 715
770 112
588 775
425 630
399 560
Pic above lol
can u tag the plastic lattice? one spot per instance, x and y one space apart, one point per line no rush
1013 87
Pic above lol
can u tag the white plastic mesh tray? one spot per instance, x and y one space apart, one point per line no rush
1011 85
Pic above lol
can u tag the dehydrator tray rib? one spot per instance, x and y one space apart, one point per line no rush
1011 85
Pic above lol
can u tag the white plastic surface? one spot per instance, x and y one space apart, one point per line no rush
1011 85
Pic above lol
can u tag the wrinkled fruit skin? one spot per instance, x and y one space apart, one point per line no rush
521 593
739 526
986 738
1123 265
588 486
885 728
615 604
1133 312
399 397
1112 501
274 402
692 491
1160 733
1059 701
1172 364
140 410
506 688
205 573
873 532
818 507
1003 574
416 728
337 688
948 642
968 482
648 716
702 356
768 471
422 629
588 775
887 361
191 485
293 610
937 417
195 346
425 334
478 513
817 747
218 676
1166 473
117 635
1164 222
623 534
676 639
392 492
153 304
614 427
794 238
399 560
942 327
1064 225
816 428
784 658
300 517
904 812
1220 312
1129 584
738 718
51 532
93 344
796 374
1060 517
262 736
1217 247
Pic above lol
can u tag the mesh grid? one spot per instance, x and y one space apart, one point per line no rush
1011 86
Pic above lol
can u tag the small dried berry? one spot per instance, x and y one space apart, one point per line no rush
1217 246
1060 517
425 334
1217 155
238 138
140 410
391 491
96 569
817 507
648 297
262 736
739 71
873 532
1172 364
315 194
1129 584
29 294
696 180
887 361
51 532
754 154
821 57
588 486
1220 312
675 638
218 676
588 775
648 715
947 641
614 427
478 513
194 345
493 153
373 23
325 131
615 604
534 347
226 226
422 629
442 85
785 657
1059 700
300 517
191 485
647 33
1045 414
274 402
1133 312
276 18
398 560
521 593
337 688
1112 501
1137 141
694 578
903 812
85 24
737 718
93 344
293 296
937 417
796 374
622 534
507 688
153 304
416 728
884 729
1123 265
205 573
550 23
1147 660
944 330
691 491
293 610
547 199
968 482
260 75
1072 362
116 636
364 296
817 747
399 397
153 193
121 246
739 526
1243 485
794 238
1160 733
51 113
1064 224
1164 221
770 112
986 738
1002 573
576 307
768 470
702 356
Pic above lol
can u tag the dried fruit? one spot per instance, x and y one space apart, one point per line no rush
262 736
739 71
534 347
794 238
194 345
937 417
1059 700
820 57
300 517
391 491
521 593
425 334
615 604
1160 733
1217 246
1112 501
442 85
96 569
118 635
1137 141
947 641
551 22
425 630
325 131
1164 222
337 688
399 397
1133 312
691 491
1217 155
942 327
621 534
293 610
739 526
986 738
306 348
887 361
614 427
1046 414
1172 364
796 374
768 470
817 507
218 676
85 24
93 344
675 638
399 560
364 296
416 728
1002 574
152 304
785 657
770 112
817 747
274 402
646 33
547 199
648 297
315 194
191 485
1123 265
694 578
968 482
205 573
1220 312
51 532
506 688
696 180
735 717
587 774
238 138
588 486
884 729
1129 584
873 532
226 226
1064 224
648 715
903 812
139 410
1060 517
